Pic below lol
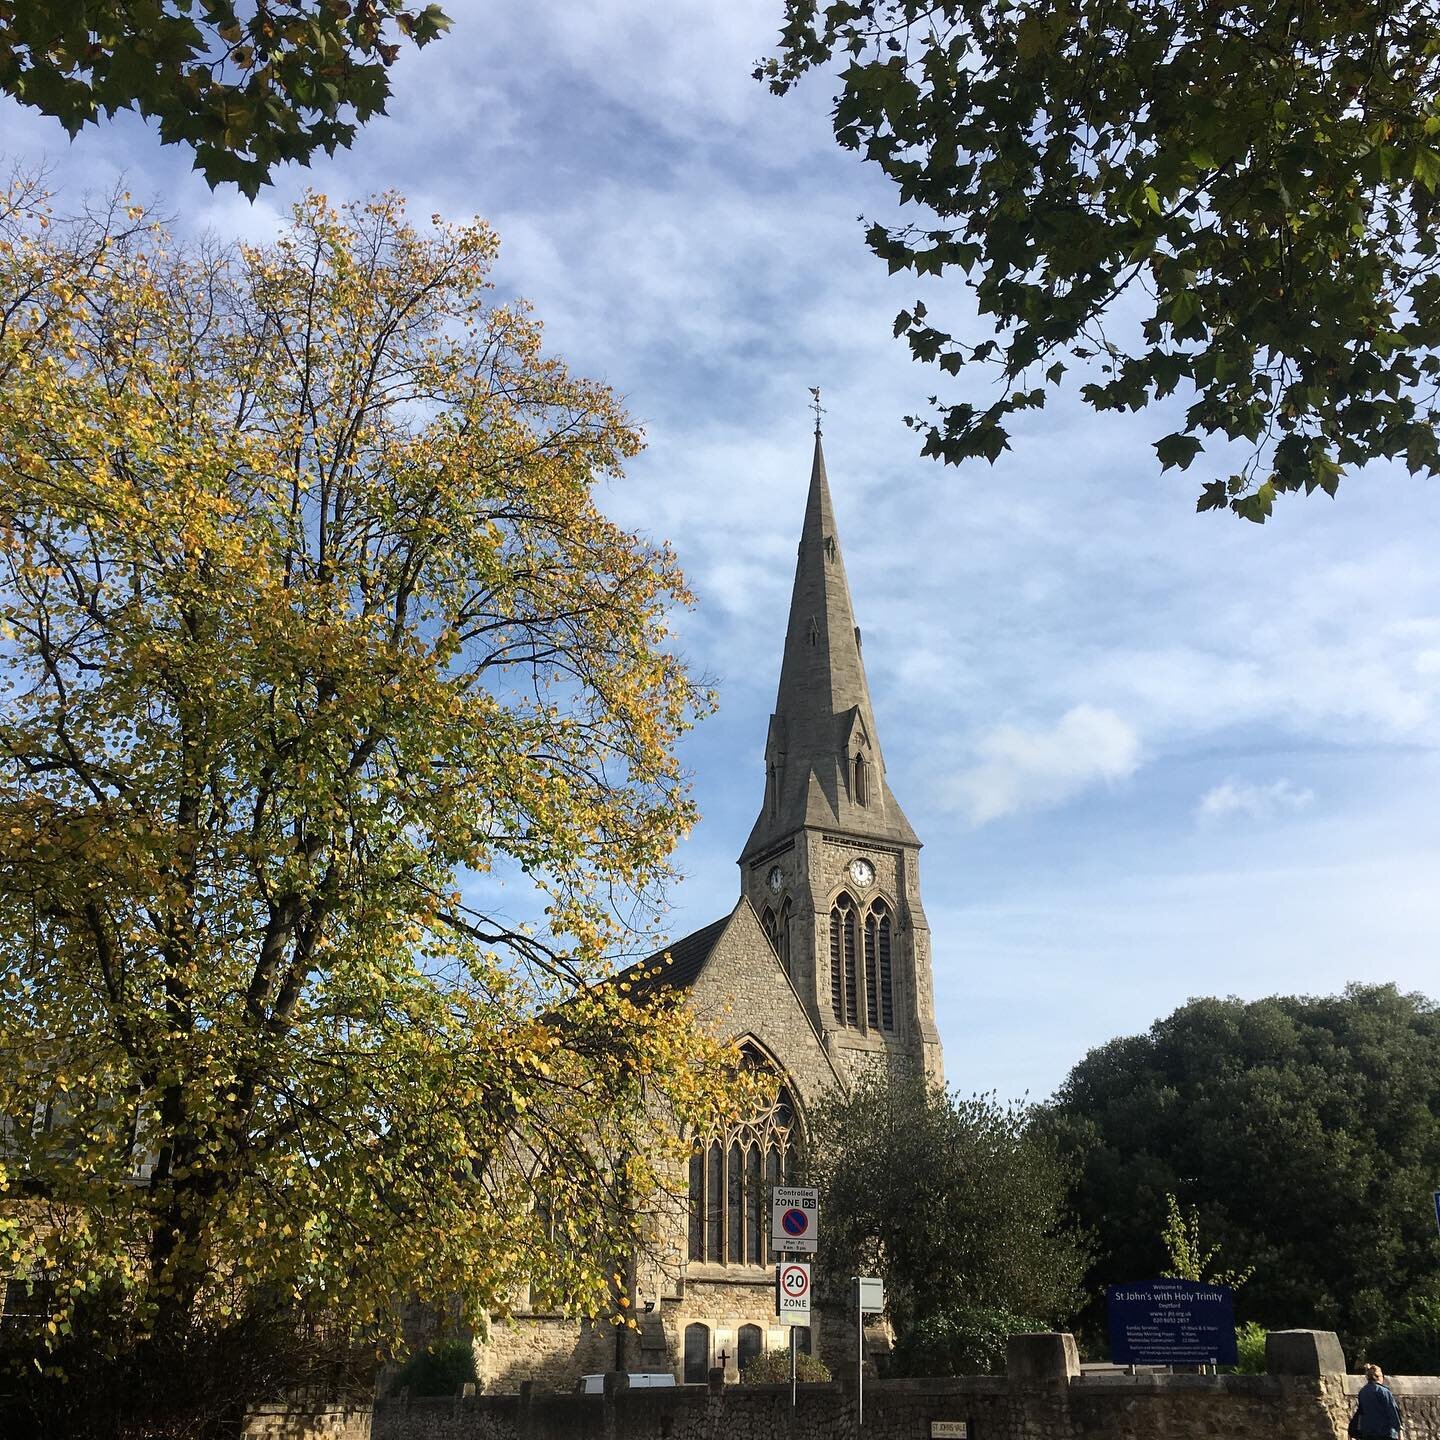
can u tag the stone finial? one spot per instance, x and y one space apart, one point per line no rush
1304 1352
1047 1357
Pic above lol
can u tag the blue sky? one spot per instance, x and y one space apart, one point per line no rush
1151 754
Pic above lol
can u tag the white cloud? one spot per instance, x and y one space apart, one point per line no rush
1032 769
1255 802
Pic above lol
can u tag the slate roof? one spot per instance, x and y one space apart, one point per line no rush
687 959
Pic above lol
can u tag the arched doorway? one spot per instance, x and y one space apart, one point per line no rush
697 1354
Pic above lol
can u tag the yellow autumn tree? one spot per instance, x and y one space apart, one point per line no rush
311 627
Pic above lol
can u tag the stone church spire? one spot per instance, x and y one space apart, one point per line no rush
823 764
832 867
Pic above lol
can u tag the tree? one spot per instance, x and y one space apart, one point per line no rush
1231 201
245 87
1304 1132
958 1204
1190 1258
309 612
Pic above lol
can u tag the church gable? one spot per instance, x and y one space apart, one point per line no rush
743 986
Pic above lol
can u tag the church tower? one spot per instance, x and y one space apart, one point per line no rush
832 865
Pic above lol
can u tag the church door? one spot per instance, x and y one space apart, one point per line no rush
697 1354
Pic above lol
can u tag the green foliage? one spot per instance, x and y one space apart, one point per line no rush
1230 201
959 1340
340 625
1250 1348
1189 1256
773 1368
943 1197
1412 1345
438 1369
1304 1132
245 91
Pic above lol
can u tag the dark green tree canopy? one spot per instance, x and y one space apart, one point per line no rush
245 85
957 1203
1227 200
1306 1132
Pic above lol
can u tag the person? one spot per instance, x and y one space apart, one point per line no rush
1377 1416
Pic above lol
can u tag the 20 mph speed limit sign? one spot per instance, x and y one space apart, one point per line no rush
792 1292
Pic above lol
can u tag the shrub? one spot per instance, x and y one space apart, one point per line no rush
772 1367
1413 1346
1250 1349
961 1340
439 1369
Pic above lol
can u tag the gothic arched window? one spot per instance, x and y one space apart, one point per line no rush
843 961
879 984
752 1341
697 1354
730 1182
859 783
777 931
782 935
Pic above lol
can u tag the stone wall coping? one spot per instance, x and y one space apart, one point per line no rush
942 1385
1402 1385
1161 1384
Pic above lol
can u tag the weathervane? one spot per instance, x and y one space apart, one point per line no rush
819 411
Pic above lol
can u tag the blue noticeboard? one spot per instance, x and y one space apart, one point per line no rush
1171 1322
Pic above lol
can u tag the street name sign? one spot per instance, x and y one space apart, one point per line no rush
794 1219
949 1430
1171 1322
792 1292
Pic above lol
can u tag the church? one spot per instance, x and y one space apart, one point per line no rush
823 967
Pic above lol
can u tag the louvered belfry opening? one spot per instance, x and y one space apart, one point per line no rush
846 965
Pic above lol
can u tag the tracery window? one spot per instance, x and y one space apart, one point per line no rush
730 1183
875 964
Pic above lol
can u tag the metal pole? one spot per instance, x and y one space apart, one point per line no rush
794 1348
859 1360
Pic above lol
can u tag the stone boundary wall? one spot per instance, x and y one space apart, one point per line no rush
1043 1396
309 1422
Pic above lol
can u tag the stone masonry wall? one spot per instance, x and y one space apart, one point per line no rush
1042 1397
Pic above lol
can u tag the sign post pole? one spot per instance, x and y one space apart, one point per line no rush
794 1348
869 1296
859 1359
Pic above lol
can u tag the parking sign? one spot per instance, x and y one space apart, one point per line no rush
794 1219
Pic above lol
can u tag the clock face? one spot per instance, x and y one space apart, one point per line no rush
862 872
775 879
